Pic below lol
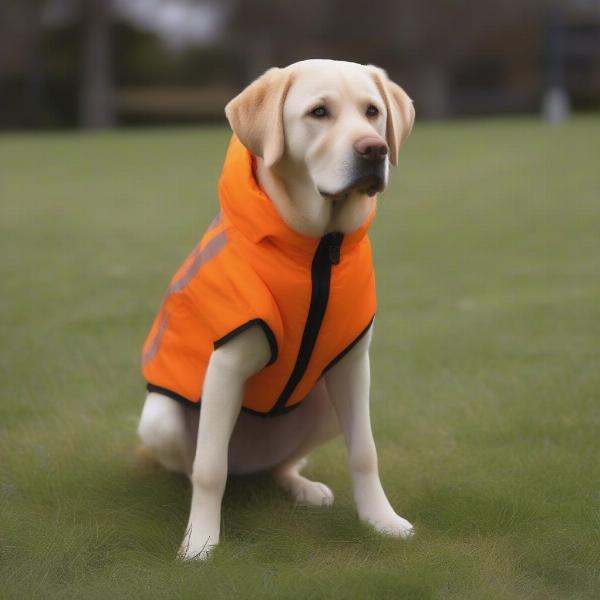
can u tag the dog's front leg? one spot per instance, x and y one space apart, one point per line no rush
222 397
348 384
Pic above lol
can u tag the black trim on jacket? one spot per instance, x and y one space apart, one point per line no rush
349 347
266 329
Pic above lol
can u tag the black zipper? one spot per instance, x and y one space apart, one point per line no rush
327 254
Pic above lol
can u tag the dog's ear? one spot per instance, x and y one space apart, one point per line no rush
400 111
256 115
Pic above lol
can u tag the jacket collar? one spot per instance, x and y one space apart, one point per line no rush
252 212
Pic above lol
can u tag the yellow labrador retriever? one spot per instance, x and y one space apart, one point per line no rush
315 128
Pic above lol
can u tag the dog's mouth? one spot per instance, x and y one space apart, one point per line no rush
369 184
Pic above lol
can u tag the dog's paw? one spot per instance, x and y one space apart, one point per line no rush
313 493
306 492
194 554
195 548
392 524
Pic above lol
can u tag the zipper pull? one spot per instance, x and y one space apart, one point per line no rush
335 241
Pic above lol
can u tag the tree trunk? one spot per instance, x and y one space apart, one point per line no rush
433 91
96 95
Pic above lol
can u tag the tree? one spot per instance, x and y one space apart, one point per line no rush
419 43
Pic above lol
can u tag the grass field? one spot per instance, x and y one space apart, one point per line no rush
486 375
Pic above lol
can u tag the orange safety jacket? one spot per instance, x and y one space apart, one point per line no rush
313 297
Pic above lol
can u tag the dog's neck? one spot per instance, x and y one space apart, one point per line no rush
304 209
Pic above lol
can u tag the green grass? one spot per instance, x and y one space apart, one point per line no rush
486 375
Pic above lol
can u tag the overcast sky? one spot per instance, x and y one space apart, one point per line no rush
178 22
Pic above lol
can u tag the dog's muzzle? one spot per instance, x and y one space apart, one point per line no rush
367 178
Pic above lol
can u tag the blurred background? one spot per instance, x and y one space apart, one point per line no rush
105 63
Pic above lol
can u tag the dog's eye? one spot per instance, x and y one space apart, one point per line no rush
319 112
372 111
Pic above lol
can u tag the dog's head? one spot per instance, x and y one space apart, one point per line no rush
343 123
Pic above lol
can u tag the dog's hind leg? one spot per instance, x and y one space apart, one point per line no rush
165 435
301 489
323 427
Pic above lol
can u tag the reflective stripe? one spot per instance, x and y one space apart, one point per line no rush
207 253
212 225
153 348
215 222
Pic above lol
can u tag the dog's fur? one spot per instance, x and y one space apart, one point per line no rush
311 169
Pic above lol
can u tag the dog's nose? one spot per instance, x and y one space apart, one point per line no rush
371 148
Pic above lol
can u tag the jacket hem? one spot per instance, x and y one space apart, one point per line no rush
150 387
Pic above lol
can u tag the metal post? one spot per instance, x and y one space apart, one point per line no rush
556 106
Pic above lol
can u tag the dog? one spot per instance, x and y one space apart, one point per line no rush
272 314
